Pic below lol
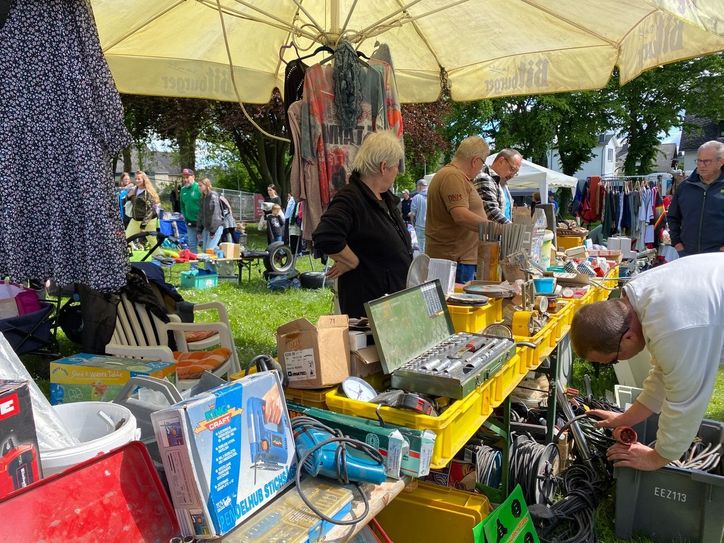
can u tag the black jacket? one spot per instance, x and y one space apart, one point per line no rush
375 232
696 215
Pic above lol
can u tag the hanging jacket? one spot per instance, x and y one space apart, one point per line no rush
210 216
143 207
696 215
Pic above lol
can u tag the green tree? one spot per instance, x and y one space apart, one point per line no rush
655 101
424 140
265 160
465 119
182 120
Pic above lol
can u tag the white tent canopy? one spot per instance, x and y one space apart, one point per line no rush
533 177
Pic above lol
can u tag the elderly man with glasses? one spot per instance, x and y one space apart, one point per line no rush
492 185
696 213
455 210
676 311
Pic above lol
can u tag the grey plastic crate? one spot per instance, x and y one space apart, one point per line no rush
672 504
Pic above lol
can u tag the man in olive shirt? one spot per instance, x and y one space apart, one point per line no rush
455 209
190 204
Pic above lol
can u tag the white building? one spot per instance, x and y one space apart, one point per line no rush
603 162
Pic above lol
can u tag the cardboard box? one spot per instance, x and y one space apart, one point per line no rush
315 356
90 377
231 250
19 462
365 362
222 460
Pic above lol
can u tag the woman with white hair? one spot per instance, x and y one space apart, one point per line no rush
362 229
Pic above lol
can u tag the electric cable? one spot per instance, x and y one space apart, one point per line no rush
699 456
303 423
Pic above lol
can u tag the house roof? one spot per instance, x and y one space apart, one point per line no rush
703 130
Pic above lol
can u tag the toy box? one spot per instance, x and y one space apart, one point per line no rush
19 462
91 377
223 457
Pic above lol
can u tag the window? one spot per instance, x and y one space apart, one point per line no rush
610 155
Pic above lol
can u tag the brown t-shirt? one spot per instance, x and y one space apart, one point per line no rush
443 237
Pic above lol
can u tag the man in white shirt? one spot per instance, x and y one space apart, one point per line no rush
676 311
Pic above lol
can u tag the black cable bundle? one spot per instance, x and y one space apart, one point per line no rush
533 466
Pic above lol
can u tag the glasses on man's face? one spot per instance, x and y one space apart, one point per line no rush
618 350
513 169
705 162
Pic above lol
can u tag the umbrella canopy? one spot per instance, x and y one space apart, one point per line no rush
533 177
482 48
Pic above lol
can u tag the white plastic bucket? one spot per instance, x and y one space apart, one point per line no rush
96 433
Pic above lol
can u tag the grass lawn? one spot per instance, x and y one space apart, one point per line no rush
255 313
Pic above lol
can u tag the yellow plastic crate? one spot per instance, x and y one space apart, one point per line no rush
475 319
309 398
545 343
563 317
453 428
568 242
506 379
433 513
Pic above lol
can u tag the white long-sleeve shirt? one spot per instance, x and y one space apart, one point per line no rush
681 309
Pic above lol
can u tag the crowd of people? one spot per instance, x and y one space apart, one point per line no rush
675 311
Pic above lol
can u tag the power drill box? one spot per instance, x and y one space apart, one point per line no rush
406 451
226 452
19 463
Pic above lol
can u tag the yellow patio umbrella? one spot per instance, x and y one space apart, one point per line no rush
484 48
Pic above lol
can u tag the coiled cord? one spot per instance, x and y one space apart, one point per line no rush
302 424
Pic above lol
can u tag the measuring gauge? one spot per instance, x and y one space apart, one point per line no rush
498 330
358 389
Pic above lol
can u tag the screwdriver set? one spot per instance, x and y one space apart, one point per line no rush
418 346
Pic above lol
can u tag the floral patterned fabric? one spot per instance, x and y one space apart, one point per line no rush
61 123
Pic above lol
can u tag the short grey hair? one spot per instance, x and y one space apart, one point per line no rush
713 144
509 154
471 147
376 148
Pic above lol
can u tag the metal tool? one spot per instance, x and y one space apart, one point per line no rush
321 452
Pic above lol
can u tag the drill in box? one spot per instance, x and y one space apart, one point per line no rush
268 447
19 464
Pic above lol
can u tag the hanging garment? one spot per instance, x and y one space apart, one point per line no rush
293 88
323 139
61 125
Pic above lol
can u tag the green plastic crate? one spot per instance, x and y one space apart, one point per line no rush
199 279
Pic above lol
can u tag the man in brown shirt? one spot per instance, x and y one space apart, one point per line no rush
454 209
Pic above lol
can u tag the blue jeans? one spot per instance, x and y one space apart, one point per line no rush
420 233
191 239
211 239
465 273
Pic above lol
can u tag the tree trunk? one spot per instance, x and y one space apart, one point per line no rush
187 148
127 165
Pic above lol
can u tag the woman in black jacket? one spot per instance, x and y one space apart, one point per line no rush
362 229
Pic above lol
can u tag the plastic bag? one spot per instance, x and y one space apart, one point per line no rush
52 433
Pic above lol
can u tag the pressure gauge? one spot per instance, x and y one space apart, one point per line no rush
358 389
498 330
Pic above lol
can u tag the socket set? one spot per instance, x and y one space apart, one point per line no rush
454 367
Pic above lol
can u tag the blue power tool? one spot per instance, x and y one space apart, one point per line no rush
269 449
325 452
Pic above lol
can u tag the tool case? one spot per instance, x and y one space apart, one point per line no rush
417 344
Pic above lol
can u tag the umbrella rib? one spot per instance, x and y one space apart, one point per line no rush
309 16
570 22
282 25
349 16
233 79
361 34
146 23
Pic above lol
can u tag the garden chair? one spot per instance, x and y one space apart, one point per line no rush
141 334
